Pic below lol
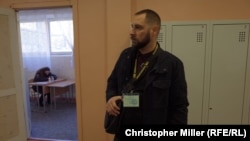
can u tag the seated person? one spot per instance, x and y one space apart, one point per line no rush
42 75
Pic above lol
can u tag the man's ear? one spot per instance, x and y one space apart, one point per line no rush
155 31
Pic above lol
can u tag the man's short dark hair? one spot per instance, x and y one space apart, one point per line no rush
151 16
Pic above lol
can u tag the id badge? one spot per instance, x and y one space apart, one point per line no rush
131 100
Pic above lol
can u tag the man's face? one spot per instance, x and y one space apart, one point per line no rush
140 32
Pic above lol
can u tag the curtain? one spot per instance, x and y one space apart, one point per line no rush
45 32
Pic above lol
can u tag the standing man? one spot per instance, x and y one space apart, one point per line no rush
149 81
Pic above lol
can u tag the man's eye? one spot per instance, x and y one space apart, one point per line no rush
137 27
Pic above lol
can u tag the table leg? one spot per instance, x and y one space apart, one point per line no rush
38 104
44 102
51 97
54 93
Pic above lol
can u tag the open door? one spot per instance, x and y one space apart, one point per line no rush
12 113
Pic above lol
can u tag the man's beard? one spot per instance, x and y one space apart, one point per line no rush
139 45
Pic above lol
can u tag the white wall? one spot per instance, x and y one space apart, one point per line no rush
63 66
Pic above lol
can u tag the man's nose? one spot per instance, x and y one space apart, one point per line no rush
132 31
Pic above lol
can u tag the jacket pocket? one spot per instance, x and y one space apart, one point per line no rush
161 84
159 93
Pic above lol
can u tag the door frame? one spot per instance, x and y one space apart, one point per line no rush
39 5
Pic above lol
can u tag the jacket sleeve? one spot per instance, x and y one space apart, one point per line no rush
178 102
112 82
111 89
39 78
53 75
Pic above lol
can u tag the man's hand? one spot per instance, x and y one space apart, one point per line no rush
111 107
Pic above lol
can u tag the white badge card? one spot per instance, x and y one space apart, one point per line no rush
131 100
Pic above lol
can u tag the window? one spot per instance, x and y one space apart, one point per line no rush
47 31
46 39
61 41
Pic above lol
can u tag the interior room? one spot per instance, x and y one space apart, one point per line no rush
47 41
194 30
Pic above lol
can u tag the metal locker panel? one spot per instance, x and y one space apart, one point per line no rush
228 69
162 37
189 43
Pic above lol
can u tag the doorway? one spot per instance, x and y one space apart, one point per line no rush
47 41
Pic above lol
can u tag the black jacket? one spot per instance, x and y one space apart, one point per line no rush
163 89
41 78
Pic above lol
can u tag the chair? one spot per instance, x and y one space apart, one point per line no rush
34 96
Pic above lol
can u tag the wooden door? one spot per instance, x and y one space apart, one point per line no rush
12 113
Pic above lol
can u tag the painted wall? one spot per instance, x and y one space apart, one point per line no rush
183 10
102 31
63 66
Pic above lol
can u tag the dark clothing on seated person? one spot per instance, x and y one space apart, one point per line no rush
43 75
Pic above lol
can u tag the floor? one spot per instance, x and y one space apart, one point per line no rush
58 124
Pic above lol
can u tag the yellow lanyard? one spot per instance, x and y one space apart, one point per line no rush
144 66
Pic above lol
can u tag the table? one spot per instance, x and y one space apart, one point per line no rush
61 88
45 83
